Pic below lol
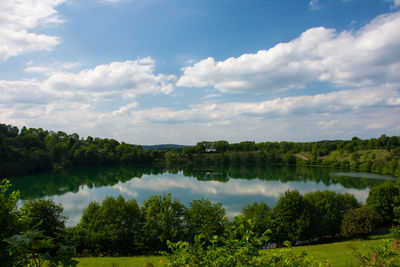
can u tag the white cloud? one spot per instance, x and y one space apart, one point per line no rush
327 124
362 112
127 79
313 4
17 18
334 102
52 68
369 56
87 99
125 109
121 80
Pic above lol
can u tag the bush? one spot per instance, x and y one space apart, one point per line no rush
8 219
387 254
380 199
239 246
32 248
359 222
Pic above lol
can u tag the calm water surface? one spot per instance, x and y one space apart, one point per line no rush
233 186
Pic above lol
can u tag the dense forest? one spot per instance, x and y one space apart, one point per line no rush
35 150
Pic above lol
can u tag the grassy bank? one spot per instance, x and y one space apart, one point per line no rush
338 254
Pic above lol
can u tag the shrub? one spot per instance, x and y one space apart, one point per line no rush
359 222
387 254
239 246
8 218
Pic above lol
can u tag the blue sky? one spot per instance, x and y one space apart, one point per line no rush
183 71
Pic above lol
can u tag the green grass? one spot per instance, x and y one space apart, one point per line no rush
337 254
342 253
140 261
341 156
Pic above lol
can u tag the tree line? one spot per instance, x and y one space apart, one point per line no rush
36 150
120 227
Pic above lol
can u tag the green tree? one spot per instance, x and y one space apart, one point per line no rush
205 218
260 215
292 217
113 227
8 218
44 215
164 220
328 211
396 213
380 199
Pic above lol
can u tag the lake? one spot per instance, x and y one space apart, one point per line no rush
234 186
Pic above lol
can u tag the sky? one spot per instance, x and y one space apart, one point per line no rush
183 71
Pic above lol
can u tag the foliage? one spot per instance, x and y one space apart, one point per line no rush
359 222
380 199
205 218
292 216
43 215
238 246
387 254
328 211
260 214
8 218
396 214
163 221
44 235
113 227
33 248
36 150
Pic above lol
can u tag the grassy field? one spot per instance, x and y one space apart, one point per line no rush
338 254
140 261
342 253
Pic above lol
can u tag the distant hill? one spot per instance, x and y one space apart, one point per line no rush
164 147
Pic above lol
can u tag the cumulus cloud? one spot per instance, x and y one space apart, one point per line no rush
334 102
88 99
367 57
127 79
19 18
123 80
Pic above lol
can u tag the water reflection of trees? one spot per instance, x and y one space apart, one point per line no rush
70 180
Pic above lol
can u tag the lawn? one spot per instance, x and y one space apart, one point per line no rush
342 253
338 254
140 261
